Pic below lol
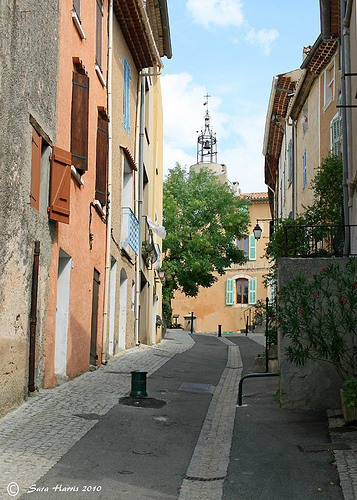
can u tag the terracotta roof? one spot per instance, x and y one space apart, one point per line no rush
255 196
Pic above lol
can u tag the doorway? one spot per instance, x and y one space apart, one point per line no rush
113 285
62 315
94 323
123 308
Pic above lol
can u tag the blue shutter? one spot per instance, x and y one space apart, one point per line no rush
229 291
252 247
253 291
126 95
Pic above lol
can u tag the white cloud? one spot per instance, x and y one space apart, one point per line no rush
263 38
216 12
239 135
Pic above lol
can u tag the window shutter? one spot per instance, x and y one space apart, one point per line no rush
252 247
35 169
126 96
336 136
229 291
79 122
253 291
102 162
60 185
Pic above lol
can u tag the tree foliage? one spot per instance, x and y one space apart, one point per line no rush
202 218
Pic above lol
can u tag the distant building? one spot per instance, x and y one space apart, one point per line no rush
231 301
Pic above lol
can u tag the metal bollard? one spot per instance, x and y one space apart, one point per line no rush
138 384
219 330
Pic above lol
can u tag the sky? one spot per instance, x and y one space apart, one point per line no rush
230 49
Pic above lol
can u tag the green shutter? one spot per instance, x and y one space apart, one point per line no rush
252 247
253 291
229 291
336 136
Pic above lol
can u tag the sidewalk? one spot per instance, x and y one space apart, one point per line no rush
196 435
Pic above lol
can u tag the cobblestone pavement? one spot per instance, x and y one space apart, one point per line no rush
346 460
36 435
209 463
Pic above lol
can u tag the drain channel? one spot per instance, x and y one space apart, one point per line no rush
325 447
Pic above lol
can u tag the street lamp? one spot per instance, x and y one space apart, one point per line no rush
257 231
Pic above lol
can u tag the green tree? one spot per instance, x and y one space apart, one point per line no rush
202 217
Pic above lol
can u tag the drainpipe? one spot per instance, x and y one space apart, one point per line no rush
109 186
346 249
33 317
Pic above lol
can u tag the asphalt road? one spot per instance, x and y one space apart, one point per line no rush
136 453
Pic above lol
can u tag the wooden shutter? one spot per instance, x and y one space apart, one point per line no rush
229 291
252 291
79 122
60 185
290 160
252 247
102 161
336 135
35 169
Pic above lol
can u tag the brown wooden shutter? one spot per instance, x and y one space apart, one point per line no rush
79 122
35 169
60 185
102 161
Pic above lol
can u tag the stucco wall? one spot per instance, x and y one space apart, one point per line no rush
316 385
29 34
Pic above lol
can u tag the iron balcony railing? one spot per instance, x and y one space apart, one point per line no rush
129 231
149 251
318 240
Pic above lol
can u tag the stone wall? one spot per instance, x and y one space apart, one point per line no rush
315 385
29 33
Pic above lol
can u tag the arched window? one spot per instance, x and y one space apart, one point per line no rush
242 285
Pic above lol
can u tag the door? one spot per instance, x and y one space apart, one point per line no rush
123 308
113 285
94 324
62 314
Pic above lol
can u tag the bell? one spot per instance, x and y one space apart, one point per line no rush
207 145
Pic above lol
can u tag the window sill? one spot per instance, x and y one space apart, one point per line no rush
99 208
76 175
78 25
100 75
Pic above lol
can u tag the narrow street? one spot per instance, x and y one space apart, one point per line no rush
186 444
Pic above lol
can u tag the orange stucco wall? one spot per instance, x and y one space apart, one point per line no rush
74 237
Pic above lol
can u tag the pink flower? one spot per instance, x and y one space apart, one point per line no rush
324 270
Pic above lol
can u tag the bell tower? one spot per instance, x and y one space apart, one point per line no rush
206 141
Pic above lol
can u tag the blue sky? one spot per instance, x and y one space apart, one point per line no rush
231 49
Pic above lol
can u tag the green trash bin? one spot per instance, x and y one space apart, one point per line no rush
138 384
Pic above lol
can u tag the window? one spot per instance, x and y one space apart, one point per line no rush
40 173
305 119
242 286
304 170
329 79
336 135
244 289
102 162
99 34
126 96
244 246
76 17
79 122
